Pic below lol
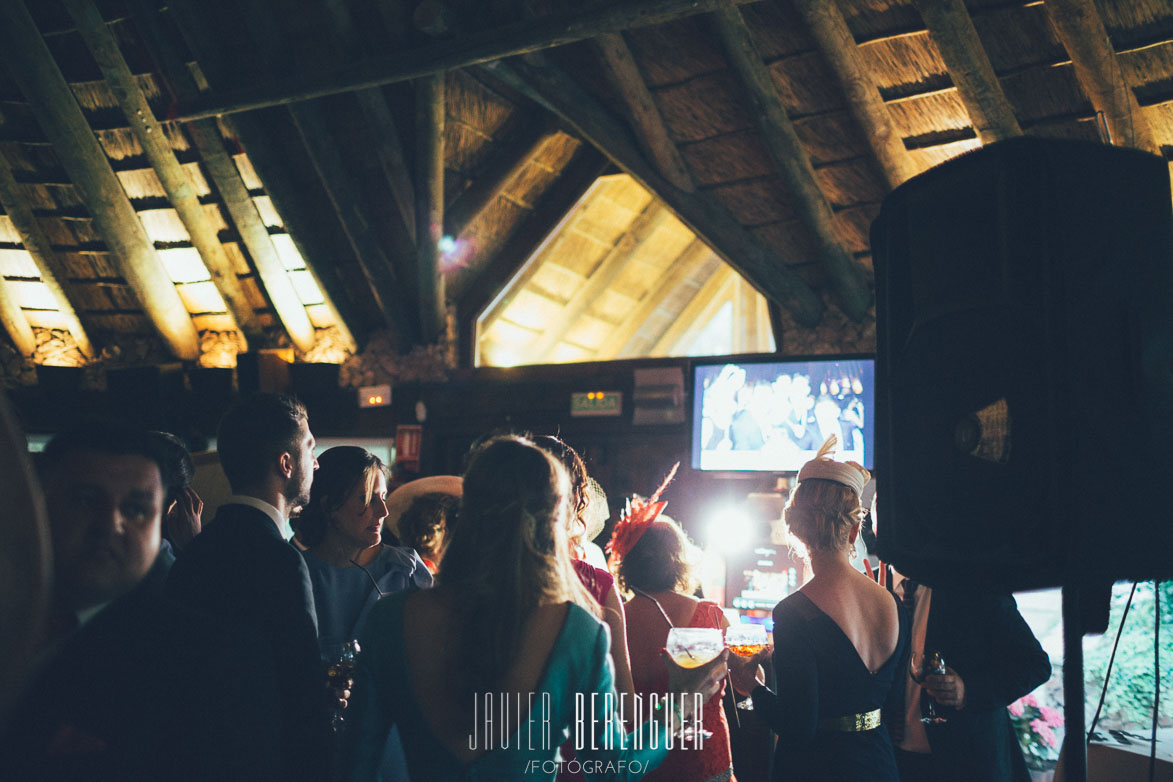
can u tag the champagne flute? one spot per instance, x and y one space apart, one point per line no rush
920 666
340 661
746 641
692 647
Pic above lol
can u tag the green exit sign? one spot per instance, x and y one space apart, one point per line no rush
588 403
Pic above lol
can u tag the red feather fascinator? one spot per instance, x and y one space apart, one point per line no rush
637 516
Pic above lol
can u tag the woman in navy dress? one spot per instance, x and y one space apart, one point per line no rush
840 643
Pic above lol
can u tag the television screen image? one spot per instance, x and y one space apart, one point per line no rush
773 416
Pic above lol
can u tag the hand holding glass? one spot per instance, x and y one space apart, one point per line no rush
746 641
340 664
920 666
692 647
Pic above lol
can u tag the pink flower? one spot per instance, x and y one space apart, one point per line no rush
1031 700
1016 709
1049 736
1052 717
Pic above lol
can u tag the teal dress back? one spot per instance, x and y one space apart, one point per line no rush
579 665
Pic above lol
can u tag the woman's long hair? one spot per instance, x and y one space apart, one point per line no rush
507 556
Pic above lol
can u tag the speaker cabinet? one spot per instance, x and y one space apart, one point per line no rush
1024 375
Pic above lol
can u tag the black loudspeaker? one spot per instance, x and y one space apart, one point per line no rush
1025 368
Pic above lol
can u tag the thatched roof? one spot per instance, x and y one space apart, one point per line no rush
613 178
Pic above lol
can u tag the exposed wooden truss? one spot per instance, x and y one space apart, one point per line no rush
829 28
691 317
14 322
552 88
952 30
32 65
483 286
429 206
388 292
791 160
386 142
645 117
53 272
1080 29
473 49
180 191
495 176
640 230
674 274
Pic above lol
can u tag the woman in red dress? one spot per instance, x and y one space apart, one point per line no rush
655 560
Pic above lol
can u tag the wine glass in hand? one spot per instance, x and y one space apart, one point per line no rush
746 641
920 666
692 647
340 664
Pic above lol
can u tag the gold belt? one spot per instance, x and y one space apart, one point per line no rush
852 723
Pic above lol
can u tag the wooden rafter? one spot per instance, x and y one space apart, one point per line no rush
826 23
176 183
387 142
1080 29
587 165
605 272
952 30
32 66
683 267
791 161
493 178
53 272
529 35
651 133
227 180
13 320
387 292
706 217
690 317
429 205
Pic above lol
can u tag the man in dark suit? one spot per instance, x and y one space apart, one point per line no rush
91 710
253 705
992 659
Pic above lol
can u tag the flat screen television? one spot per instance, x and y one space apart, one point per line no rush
769 415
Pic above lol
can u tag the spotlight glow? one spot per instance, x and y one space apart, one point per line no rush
730 530
447 245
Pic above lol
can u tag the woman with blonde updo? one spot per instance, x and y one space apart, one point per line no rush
840 643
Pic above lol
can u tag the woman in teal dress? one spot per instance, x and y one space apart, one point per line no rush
487 674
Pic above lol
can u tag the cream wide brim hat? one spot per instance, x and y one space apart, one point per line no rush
400 500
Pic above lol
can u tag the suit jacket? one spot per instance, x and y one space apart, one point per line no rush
251 701
92 708
986 641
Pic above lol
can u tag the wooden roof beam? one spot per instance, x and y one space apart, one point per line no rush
689 318
642 111
826 23
386 290
176 183
606 271
706 217
36 244
386 142
529 35
225 176
952 30
482 286
13 320
1079 27
492 180
791 161
429 206
674 275
31 65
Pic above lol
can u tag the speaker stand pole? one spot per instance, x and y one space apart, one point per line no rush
1075 746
